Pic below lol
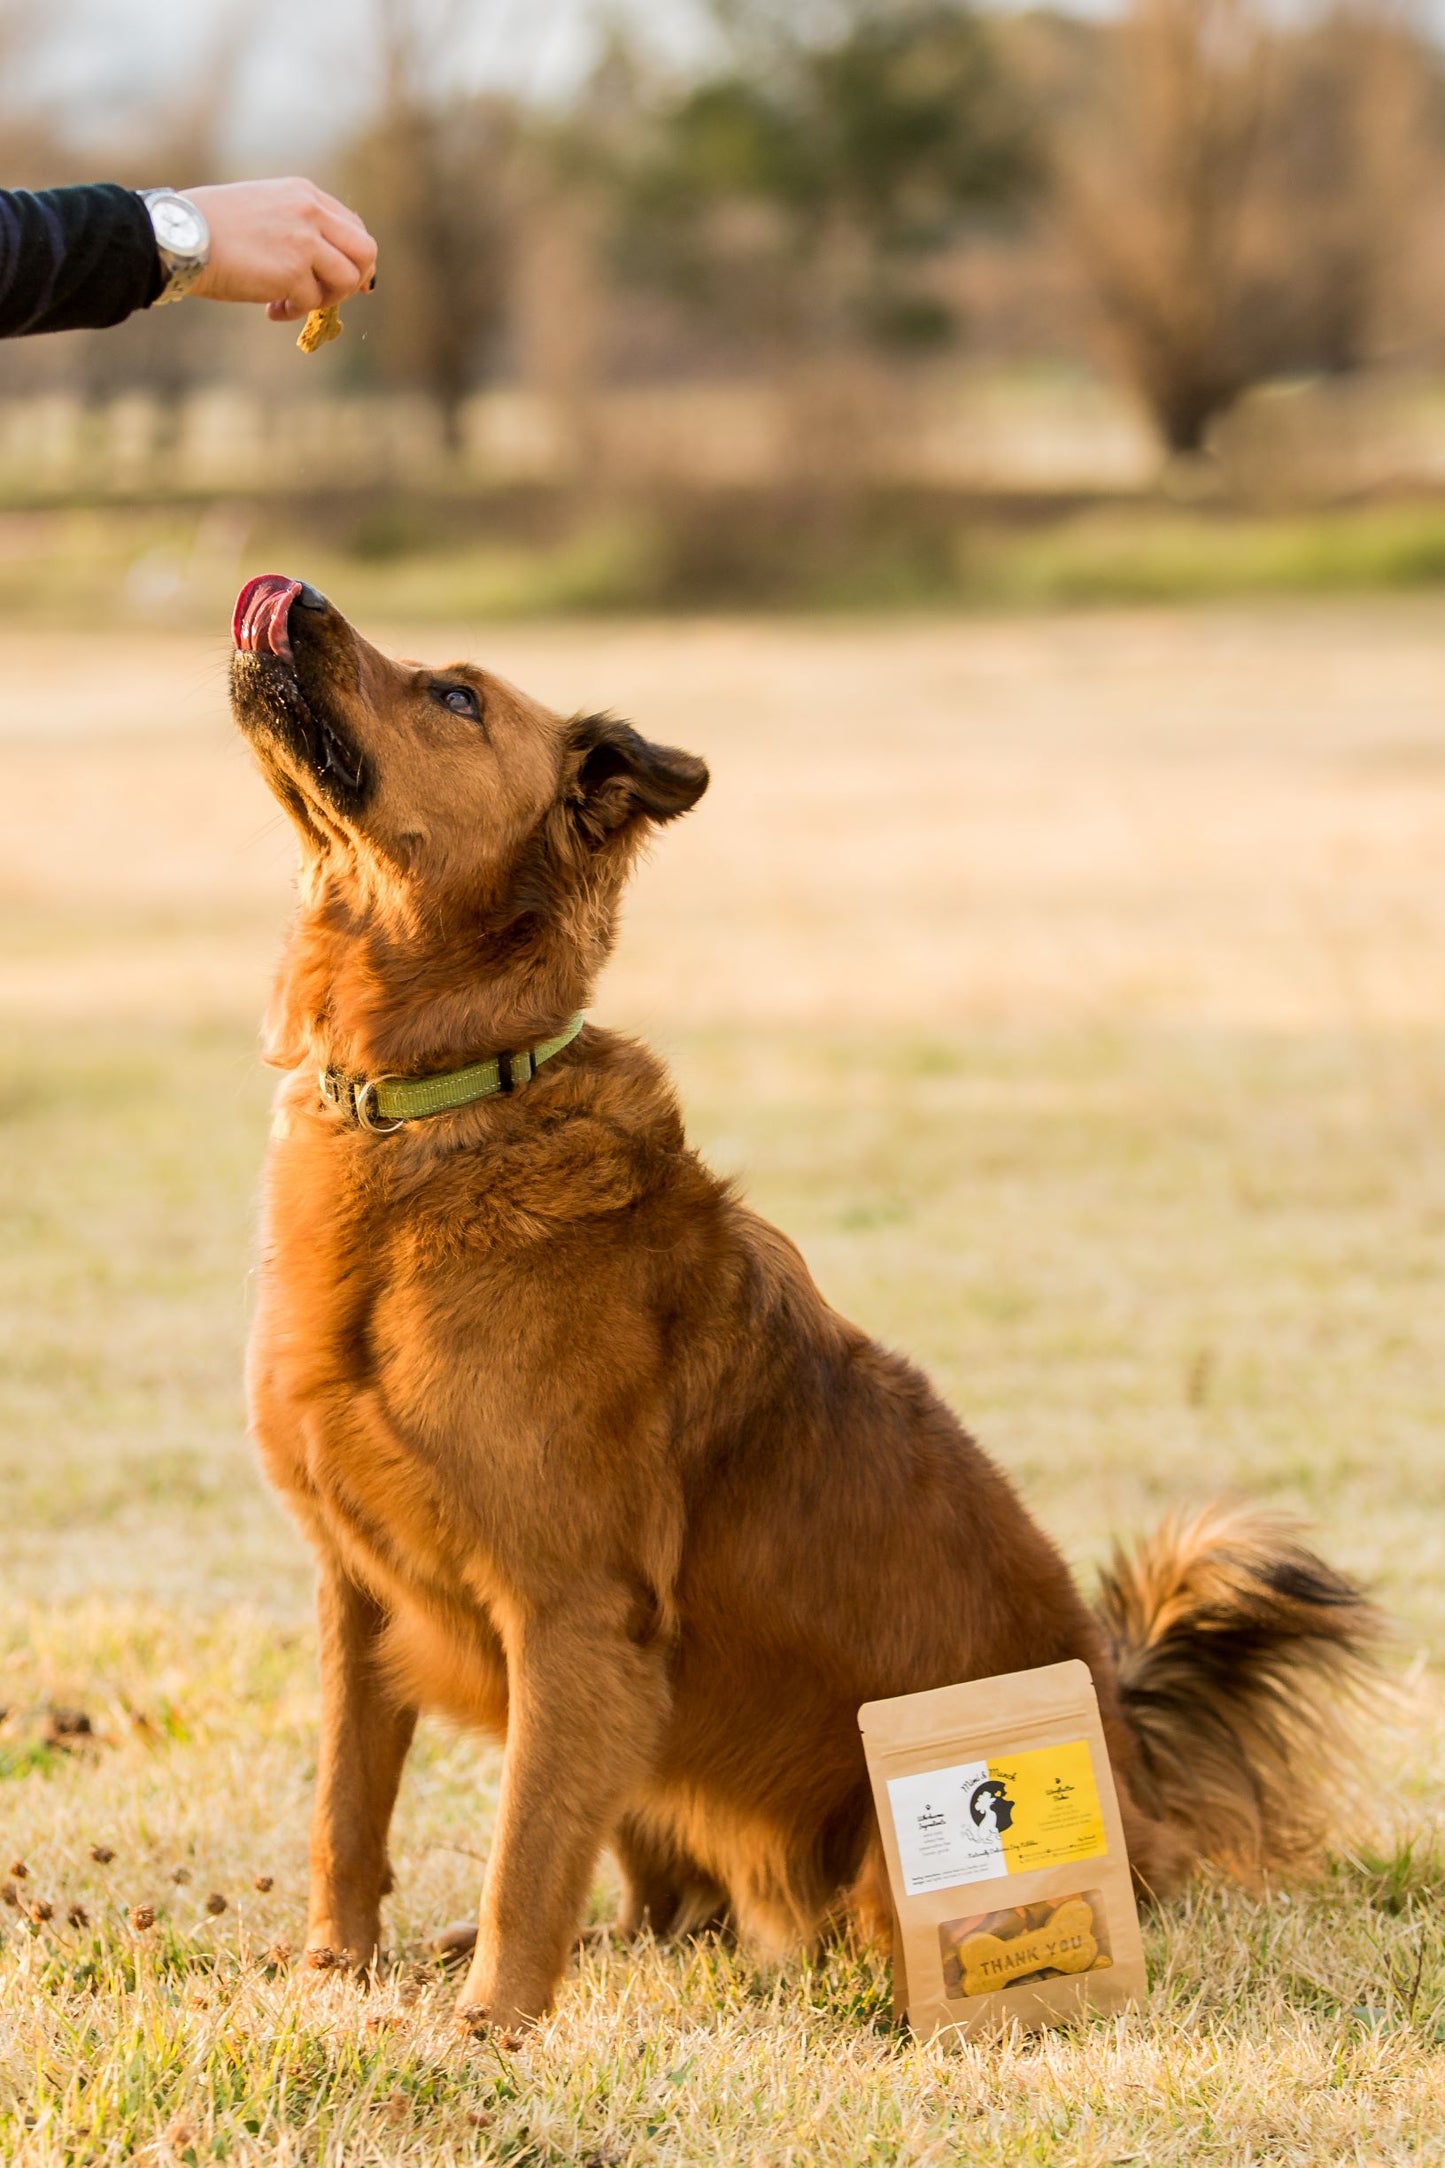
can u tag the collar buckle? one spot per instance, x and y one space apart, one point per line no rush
338 1090
355 1101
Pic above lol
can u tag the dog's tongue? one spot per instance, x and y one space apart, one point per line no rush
262 608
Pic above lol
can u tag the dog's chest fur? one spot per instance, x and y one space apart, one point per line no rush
448 1353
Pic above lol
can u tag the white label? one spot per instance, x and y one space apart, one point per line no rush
939 1842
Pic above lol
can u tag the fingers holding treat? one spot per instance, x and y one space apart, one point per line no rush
330 279
283 242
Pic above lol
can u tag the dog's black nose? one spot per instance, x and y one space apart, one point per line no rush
309 599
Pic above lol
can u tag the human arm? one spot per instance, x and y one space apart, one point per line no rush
73 257
87 256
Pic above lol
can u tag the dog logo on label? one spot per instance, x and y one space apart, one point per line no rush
989 1805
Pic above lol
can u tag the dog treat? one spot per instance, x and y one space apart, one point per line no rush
996 1951
1003 1787
319 329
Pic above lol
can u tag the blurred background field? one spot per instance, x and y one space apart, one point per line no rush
1068 981
734 303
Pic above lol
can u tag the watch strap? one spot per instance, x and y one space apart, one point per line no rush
181 271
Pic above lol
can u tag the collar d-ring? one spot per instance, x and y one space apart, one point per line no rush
366 1108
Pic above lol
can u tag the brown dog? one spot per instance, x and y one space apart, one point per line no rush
585 1457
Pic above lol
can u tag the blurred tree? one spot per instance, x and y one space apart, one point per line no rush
32 151
1239 183
794 194
436 177
174 138
176 142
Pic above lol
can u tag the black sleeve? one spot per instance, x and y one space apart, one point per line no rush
74 257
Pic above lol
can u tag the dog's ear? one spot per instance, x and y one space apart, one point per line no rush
616 776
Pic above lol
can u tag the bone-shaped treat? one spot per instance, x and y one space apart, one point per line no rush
1067 1944
319 329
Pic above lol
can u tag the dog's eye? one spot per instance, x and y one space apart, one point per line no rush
459 698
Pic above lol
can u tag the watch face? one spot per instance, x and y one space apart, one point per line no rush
177 226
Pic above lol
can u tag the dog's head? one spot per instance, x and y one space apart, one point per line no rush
462 841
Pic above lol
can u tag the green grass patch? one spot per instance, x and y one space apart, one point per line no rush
165 564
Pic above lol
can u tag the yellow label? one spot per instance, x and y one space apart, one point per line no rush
1047 1811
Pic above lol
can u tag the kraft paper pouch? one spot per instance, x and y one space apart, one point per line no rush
1012 1901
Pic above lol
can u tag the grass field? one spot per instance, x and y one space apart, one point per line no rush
431 561
1072 989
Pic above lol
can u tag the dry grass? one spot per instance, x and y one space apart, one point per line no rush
1072 991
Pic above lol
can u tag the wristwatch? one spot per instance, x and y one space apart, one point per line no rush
183 241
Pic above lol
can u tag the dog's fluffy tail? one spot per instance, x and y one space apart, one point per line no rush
1244 1664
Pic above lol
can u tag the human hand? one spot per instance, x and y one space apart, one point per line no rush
286 243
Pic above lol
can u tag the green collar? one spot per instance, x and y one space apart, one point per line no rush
384 1103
